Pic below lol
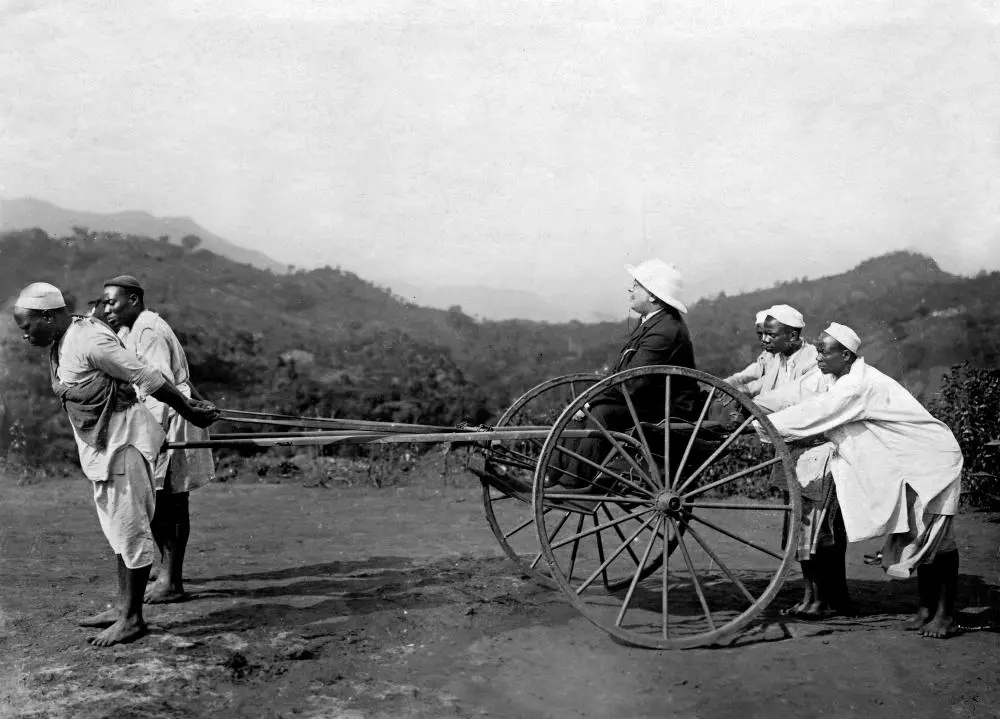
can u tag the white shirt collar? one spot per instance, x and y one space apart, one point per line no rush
651 314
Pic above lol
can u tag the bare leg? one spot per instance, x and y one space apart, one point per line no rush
809 590
840 596
110 615
825 584
130 624
929 591
945 577
818 606
171 530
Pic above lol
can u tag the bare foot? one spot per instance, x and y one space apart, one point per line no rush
102 619
163 593
939 628
124 630
818 610
918 620
795 609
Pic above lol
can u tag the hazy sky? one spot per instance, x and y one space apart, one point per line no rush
521 143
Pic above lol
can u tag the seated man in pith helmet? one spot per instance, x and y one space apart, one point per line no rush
660 338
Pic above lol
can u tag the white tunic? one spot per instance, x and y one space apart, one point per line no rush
784 369
156 345
885 441
90 347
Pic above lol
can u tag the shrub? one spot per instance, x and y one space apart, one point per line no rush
969 403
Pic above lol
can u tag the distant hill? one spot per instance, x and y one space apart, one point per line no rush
26 213
490 303
916 320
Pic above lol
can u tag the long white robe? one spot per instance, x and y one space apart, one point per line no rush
884 441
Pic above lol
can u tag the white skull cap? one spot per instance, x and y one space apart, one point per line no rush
844 335
787 315
40 296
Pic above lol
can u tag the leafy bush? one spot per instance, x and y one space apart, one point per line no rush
969 403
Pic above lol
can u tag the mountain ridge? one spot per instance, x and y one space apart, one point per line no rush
28 212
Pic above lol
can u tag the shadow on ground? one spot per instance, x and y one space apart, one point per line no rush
338 592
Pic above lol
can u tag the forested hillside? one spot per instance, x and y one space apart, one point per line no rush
327 342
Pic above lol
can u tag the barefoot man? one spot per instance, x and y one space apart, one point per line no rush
822 550
897 470
176 472
117 438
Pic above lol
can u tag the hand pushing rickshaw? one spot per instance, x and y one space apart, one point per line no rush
663 548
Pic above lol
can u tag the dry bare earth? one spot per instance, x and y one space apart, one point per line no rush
352 602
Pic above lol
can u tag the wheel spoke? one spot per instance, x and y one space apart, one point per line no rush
694 577
638 573
614 443
604 565
715 558
694 434
562 521
600 549
731 477
603 469
653 469
666 427
665 583
621 536
738 538
576 548
730 505
721 448
587 532
519 527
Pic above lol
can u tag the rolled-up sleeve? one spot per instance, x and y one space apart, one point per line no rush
109 356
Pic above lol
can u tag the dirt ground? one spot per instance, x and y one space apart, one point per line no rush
396 602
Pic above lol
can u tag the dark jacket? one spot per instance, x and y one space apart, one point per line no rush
662 340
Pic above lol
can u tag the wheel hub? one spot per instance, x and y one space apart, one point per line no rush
667 502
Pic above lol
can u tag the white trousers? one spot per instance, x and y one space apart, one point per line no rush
125 505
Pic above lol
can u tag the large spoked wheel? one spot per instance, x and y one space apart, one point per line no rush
696 496
510 514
